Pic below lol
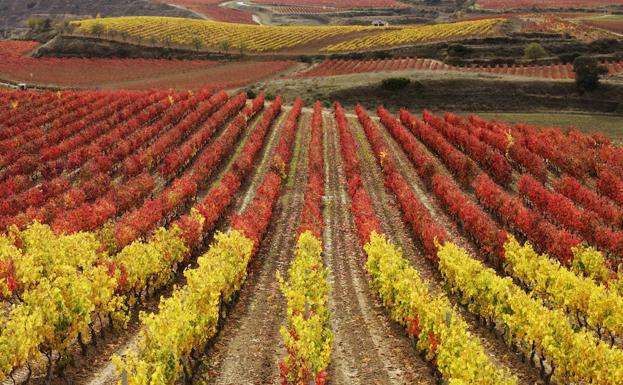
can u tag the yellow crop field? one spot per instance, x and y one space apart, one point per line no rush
188 32
419 34
258 38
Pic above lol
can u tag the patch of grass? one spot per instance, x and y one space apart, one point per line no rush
610 125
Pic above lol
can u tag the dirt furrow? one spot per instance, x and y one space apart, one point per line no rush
265 163
494 345
223 169
386 206
248 349
368 347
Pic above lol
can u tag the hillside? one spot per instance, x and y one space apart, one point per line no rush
311 192
14 13
407 210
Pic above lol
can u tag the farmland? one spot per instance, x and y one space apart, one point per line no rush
334 4
582 31
420 34
213 34
518 4
286 9
609 23
213 184
128 73
311 192
212 10
343 67
265 39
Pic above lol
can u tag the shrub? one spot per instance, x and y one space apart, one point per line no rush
587 71
306 59
459 50
251 93
568 57
395 84
97 29
534 51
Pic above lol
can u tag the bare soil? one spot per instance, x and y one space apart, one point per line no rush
249 346
368 347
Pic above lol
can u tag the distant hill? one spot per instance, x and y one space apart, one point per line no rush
14 13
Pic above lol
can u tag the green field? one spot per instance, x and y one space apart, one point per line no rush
611 125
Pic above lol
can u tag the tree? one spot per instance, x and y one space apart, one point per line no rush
395 84
242 47
462 4
459 50
33 23
167 41
587 72
534 51
225 45
63 27
97 29
38 24
197 43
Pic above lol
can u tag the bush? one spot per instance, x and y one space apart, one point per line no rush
39 24
534 51
568 57
604 45
381 55
97 29
251 94
306 59
587 72
395 84
459 50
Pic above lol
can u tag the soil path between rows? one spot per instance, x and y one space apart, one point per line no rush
249 347
368 347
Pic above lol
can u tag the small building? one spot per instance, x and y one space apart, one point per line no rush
380 23
22 87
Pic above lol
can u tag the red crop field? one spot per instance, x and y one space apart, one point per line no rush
516 4
128 73
613 25
562 15
334 67
212 10
251 233
333 3
302 10
554 23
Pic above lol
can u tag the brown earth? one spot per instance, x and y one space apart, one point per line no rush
368 347
249 347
